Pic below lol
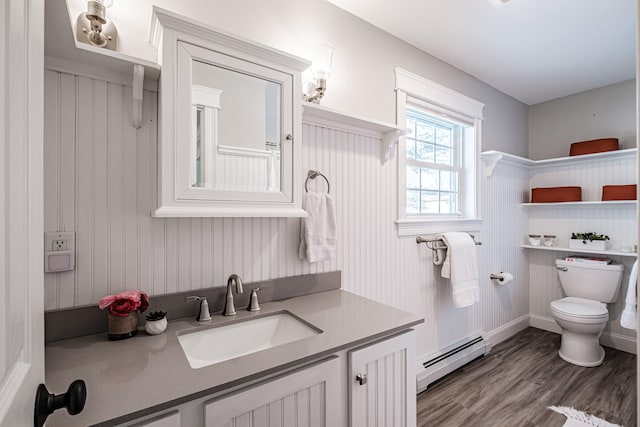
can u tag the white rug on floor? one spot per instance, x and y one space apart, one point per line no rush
577 418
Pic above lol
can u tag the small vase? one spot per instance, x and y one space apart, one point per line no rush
156 327
123 327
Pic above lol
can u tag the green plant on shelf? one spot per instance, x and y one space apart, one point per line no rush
156 315
588 236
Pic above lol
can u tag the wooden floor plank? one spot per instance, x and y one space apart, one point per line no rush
514 384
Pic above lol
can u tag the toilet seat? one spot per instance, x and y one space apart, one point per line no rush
580 309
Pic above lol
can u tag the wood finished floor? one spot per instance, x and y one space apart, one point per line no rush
514 384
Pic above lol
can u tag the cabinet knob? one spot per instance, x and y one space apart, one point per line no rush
361 379
74 400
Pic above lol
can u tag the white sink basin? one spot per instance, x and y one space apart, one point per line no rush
204 347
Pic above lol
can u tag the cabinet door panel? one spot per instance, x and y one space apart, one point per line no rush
303 398
387 398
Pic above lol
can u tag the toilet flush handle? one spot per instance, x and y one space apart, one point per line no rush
562 268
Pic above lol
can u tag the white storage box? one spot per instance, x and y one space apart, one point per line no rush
596 245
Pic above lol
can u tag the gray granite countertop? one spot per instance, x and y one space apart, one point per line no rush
134 377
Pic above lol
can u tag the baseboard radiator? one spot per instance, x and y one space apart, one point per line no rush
447 360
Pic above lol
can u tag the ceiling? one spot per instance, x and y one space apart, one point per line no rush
532 50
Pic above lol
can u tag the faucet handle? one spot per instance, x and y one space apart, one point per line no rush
253 300
203 314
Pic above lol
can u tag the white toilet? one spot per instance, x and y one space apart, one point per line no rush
583 314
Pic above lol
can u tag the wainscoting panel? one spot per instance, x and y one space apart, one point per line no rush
100 181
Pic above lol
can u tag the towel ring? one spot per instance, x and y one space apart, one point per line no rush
313 175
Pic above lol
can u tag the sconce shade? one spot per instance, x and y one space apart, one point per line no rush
96 9
321 60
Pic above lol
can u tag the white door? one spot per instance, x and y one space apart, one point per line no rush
21 209
382 383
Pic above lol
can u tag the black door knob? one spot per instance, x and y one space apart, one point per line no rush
46 402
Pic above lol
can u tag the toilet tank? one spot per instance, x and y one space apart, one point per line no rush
597 282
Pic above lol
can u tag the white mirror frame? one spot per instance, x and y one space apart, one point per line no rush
179 41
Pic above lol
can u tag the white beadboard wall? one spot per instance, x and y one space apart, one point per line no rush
504 221
618 222
100 181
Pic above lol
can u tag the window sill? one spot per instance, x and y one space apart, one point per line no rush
414 227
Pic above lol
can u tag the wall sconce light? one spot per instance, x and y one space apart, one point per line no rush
314 87
93 26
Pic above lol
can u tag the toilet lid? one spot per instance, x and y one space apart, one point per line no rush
579 307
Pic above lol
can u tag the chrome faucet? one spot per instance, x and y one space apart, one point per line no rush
229 308
203 313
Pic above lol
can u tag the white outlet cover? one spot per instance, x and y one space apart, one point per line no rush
68 236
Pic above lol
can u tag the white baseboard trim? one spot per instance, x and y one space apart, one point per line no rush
544 323
507 330
619 342
608 339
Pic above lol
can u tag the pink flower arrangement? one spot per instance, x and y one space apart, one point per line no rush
124 303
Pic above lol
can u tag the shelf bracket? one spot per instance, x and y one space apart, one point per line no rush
388 139
136 104
489 162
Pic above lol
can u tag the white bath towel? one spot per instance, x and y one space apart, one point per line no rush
461 267
318 230
629 318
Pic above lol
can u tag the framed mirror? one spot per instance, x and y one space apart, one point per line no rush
227 154
230 124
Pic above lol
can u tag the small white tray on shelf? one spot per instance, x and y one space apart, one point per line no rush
581 251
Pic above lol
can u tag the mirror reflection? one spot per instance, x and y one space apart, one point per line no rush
236 130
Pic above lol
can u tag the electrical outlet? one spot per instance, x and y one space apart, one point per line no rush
59 251
59 241
59 245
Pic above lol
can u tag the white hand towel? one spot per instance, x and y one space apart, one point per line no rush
629 318
461 267
318 230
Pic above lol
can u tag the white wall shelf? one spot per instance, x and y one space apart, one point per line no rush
491 158
323 116
581 251
592 204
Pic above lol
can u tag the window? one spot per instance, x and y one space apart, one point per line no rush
438 157
433 164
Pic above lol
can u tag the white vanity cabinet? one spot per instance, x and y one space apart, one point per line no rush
325 393
382 383
309 397
230 132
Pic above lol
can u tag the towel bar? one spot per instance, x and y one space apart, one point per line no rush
439 243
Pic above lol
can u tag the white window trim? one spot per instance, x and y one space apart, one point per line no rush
414 86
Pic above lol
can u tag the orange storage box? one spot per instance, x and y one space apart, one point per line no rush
593 146
556 194
619 192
